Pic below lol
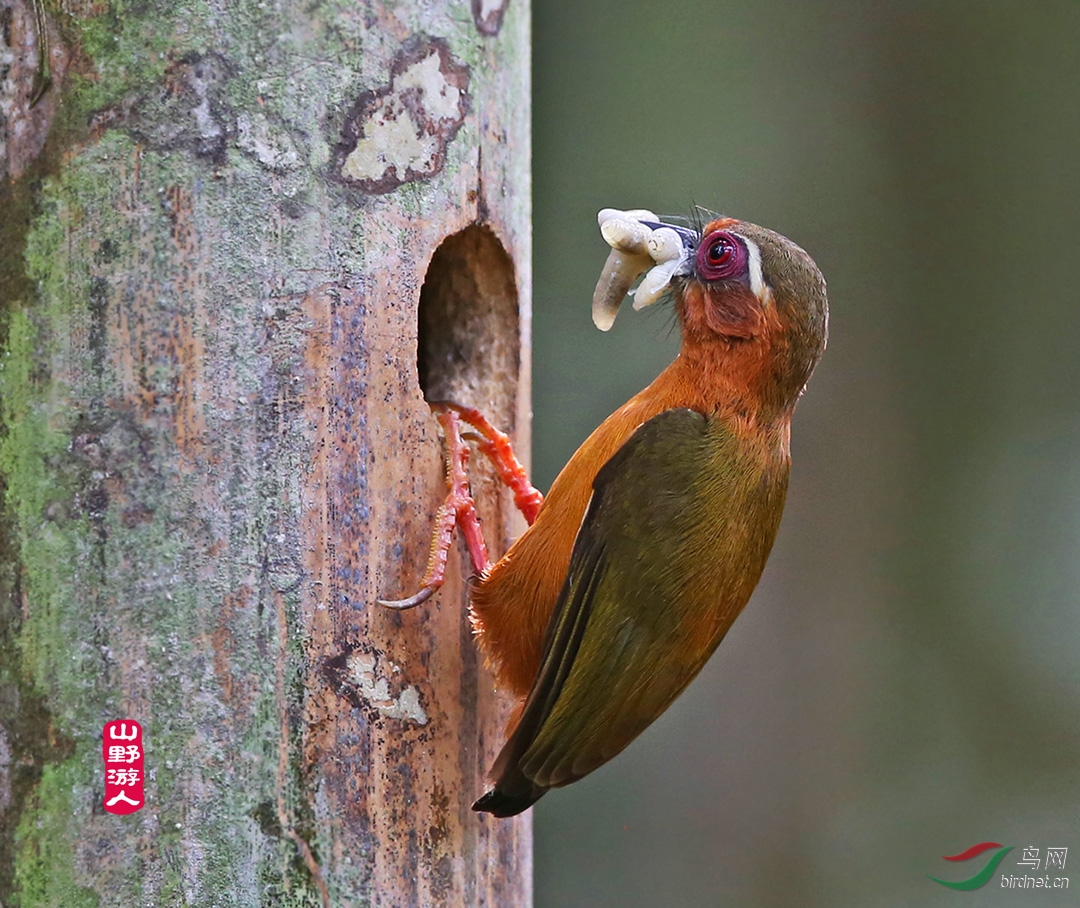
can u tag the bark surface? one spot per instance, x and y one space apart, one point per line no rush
215 231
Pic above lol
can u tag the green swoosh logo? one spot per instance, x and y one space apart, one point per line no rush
981 878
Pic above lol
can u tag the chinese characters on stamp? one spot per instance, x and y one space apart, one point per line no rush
122 750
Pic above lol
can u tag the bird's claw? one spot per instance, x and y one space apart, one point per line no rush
419 598
458 510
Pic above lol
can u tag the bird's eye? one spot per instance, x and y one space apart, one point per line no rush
720 252
721 255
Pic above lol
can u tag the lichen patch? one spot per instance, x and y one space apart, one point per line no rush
373 688
394 141
271 146
400 133
440 96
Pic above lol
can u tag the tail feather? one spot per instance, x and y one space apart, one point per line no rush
503 804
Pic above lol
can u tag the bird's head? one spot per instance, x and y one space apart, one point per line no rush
746 297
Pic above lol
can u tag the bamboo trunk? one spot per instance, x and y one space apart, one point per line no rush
217 226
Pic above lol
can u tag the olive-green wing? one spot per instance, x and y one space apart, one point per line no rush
656 577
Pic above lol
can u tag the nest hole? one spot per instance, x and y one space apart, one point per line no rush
468 338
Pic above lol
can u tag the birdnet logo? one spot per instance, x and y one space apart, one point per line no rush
1055 858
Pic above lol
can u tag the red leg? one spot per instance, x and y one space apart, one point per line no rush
496 446
458 509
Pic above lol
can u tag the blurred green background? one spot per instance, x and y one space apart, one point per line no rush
904 682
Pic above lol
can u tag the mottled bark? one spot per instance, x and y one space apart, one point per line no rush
216 451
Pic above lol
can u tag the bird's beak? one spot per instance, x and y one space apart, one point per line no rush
639 243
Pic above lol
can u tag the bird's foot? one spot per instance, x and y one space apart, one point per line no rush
496 446
459 509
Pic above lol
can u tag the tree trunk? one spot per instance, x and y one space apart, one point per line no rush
240 243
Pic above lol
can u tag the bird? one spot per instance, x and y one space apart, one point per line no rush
652 538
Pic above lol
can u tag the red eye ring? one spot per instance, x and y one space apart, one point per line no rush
721 256
720 251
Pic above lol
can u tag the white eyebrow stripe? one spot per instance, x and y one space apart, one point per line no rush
757 278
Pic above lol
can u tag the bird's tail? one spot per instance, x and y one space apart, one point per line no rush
504 804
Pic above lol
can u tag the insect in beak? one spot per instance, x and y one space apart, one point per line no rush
640 244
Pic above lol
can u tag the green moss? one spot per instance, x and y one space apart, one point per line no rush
45 868
29 440
29 445
131 44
